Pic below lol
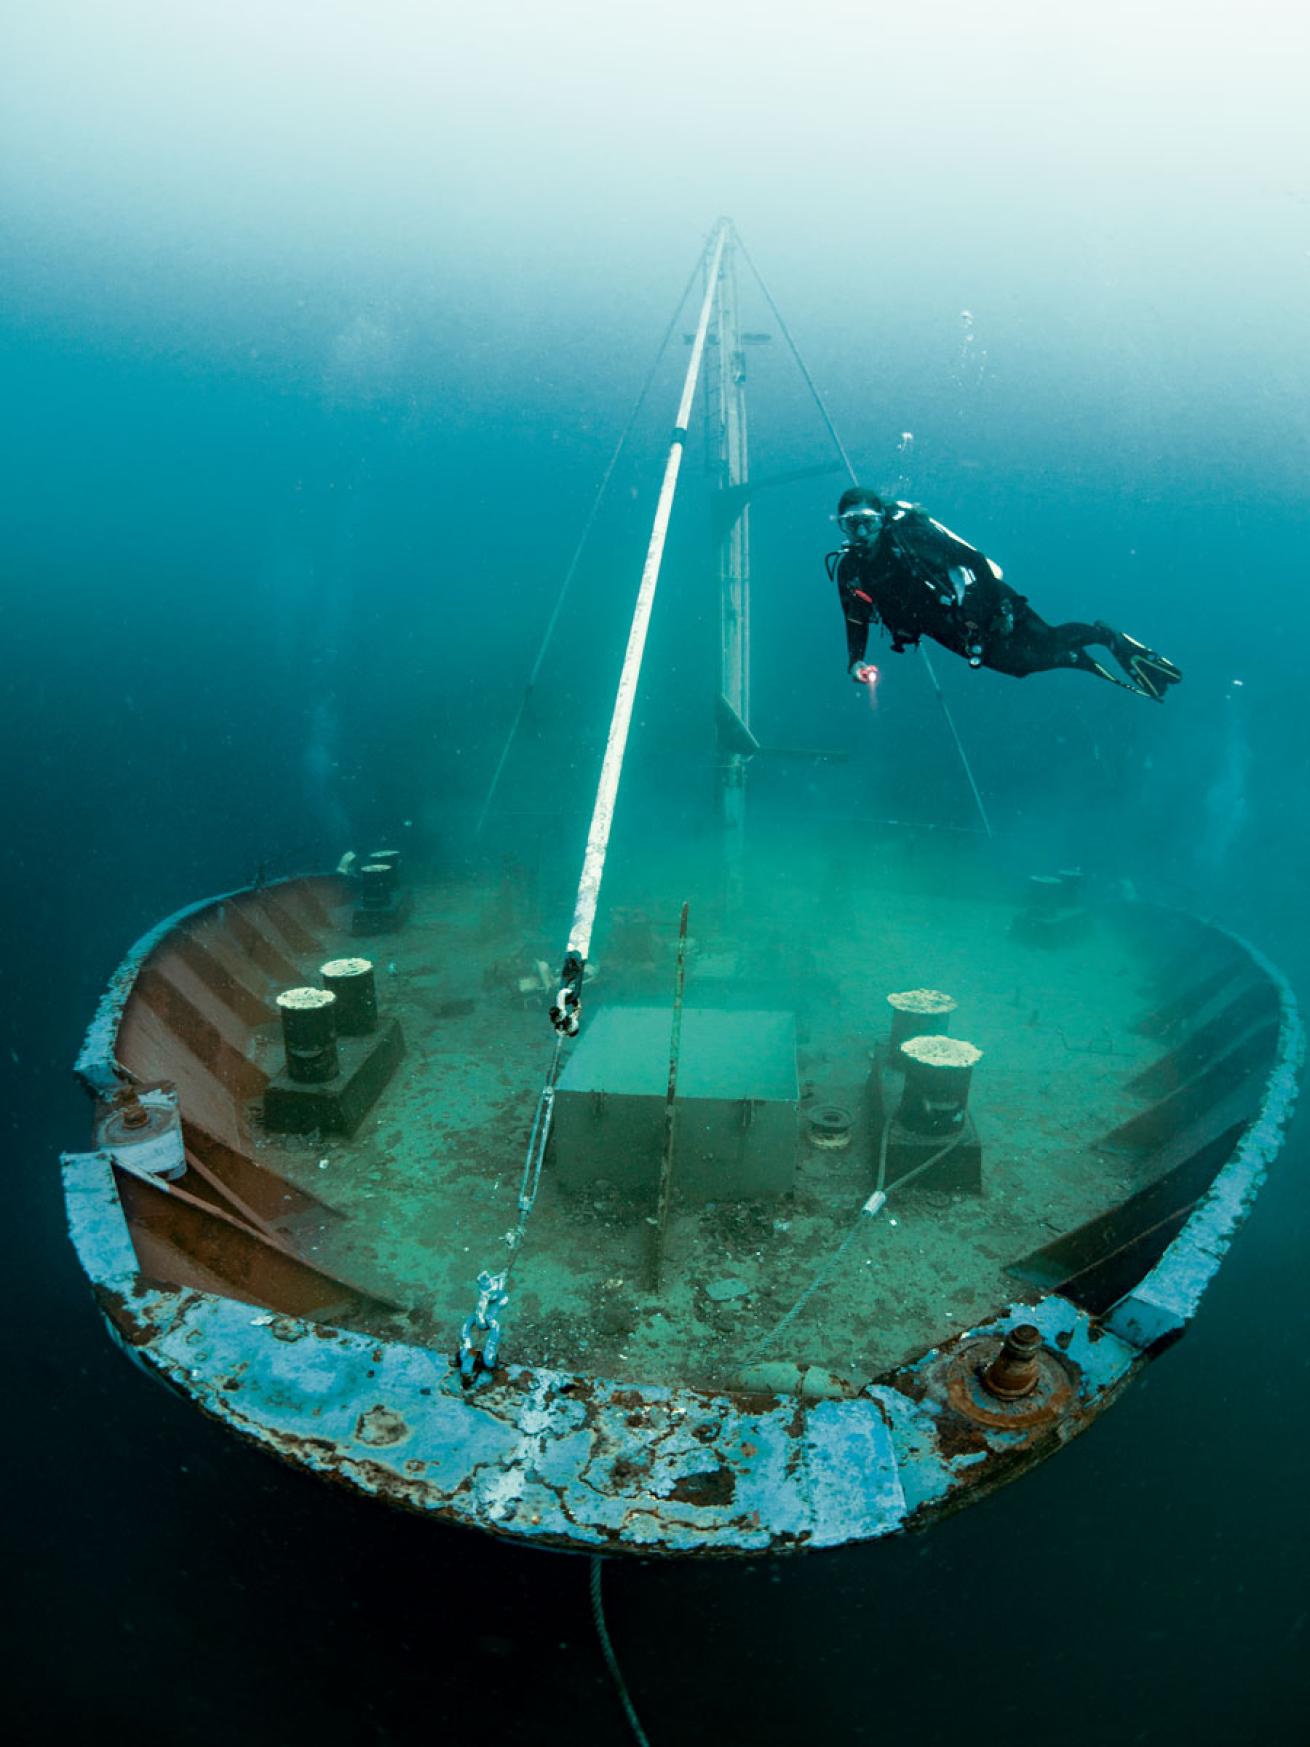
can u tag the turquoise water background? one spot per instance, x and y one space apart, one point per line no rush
317 326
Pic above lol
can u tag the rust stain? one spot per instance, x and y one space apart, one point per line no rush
718 1486
381 1427
124 1318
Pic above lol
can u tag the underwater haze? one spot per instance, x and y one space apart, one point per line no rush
318 326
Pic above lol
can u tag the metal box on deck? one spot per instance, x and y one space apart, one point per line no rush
736 1103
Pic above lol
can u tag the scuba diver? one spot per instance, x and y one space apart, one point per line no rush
899 568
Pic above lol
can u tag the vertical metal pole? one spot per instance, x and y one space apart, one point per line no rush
733 565
670 1108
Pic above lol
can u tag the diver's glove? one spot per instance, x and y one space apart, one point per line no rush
863 672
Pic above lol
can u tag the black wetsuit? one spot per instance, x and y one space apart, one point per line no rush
918 579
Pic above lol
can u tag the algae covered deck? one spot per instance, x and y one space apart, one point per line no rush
429 1184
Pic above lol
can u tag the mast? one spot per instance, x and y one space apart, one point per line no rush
566 1012
730 461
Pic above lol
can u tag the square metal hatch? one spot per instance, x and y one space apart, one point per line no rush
737 1103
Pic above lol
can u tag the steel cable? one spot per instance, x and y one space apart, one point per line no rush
850 469
583 537
611 1660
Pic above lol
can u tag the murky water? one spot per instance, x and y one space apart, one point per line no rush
319 328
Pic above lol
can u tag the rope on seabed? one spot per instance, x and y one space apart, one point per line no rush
850 469
611 1660
873 1206
877 1201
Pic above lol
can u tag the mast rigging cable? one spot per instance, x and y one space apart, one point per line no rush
583 537
477 1362
564 1014
846 463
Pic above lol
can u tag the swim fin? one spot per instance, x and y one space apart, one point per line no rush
1151 674
1089 664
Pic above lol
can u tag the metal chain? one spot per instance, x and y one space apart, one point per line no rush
477 1357
477 1362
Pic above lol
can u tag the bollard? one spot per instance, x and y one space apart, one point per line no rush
1045 891
132 1112
1013 1373
916 1012
937 1075
377 882
309 1034
351 981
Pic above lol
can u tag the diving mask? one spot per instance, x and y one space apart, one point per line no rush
862 524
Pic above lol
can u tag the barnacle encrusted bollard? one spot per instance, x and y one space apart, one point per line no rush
1046 892
380 905
916 1012
377 884
937 1075
351 981
1054 913
309 1033
340 1053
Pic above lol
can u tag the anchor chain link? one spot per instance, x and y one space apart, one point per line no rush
477 1358
477 1362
